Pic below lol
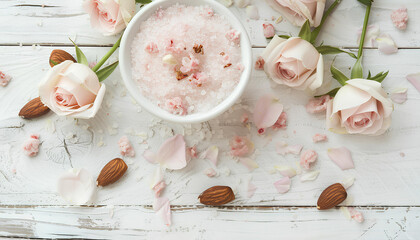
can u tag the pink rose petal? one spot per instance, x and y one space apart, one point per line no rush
283 185
171 155
342 157
4 79
150 157
241 146
157 184
267 111
356 215
31 145
125 147
281 122
77 186
294 149
307 158
399 18
399 95
162 208
259 64
283 148
286 171
210 172
268 30
211 154
386 44
249 163
251 189
319 138
191 153
414 79
318 105
309 176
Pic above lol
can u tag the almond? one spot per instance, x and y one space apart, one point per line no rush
33 109
217 195
111 172
58 56
331 196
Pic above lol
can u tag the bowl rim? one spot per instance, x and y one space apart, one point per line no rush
246 55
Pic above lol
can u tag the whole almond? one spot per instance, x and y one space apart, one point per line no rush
33 109
58 56
111 172
331 196
217 195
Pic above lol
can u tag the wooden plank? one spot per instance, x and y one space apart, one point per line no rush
58 20
383 175
136 222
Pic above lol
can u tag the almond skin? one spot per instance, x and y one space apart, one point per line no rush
111 172
331 196
58 56
216 196
33 109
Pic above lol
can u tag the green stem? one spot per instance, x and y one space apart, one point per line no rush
316 31
362 38
107 55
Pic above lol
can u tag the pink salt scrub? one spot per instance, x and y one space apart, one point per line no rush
125 147
399 18
4 79
31 145
202 59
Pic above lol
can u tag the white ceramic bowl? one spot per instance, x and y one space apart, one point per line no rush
125 61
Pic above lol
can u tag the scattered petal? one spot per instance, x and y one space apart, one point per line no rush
283 148
267 111
31 145
281 122
171 155
399 18
259 64
249 163
210 172
294 149
211 154
342 157
157 184
309 176
399 95
241 146
4 79
76 186
356 215
268 30
347 182
308 157
150 156
346 212
252 12
251 189
286 171
319 138
318 105
372 32
162 208
191 153
386 45
414 79
125 147
283 185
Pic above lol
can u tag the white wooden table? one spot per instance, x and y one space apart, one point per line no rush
386 190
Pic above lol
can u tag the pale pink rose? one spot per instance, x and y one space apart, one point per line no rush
281 122
233 36
176 106
4 79
72 89
125 147
399 18
307 158
241 146
31 145
298 11
318 105
295 63
268 30
259 64
360 107
110 16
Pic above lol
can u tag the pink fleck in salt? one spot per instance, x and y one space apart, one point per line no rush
4 79
308 157
125 147
31 145
176 106
356 215
318 105
198 79
207 12
319 138
210 172
259 64
241 146
268 30
399 18
189 64
151 47
233 36
281 122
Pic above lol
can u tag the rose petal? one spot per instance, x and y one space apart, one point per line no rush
319 138
356 215
309 176
125 147
345 211
249 163
252 12
251 189
386 45
210 172
307 158
150 156
162 208
286 171
347 182
267 111
283 185
157 184
211 154
76 186
342 157
414 79
283 148
172 153
294 149
399 95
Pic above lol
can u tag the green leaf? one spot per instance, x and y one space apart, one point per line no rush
81 58
338 75
143 1
378 77
325 49
285 36
357 70
106 71
53 62
366 2
305 32
332 93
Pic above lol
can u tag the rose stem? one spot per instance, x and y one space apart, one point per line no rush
107 55
316 31
362 38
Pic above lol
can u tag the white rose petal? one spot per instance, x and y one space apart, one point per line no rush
76 186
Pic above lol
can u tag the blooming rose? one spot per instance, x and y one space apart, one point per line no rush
294 62
298 11
110 16
361 106
72 89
